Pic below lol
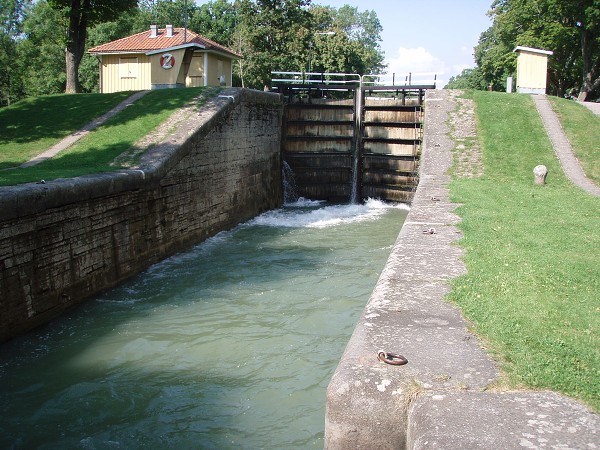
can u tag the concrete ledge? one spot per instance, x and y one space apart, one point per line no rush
475 420
159 160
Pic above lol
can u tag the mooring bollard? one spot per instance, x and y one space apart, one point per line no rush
540 173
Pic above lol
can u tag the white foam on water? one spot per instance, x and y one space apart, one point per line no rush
310 214
304 203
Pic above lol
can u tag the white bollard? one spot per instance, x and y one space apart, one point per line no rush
540 173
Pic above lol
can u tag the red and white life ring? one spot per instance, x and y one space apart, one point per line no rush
167 61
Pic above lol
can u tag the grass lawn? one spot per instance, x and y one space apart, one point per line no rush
95 152
533 255
35 124
582 127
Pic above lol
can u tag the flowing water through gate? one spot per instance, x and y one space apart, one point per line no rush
229 345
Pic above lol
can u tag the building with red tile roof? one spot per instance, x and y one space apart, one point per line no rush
163 58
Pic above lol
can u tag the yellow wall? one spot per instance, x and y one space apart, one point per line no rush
166 77
532 70
218 65
195 77
136 72
118 73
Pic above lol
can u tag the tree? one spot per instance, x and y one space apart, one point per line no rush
583 16
354 48
215 20
82 14
570 28
272 35
42 51
12 14
468 79
162 12
494 57
364 29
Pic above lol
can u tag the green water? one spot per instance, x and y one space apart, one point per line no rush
229 345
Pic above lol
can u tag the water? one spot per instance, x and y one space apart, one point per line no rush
290 189
229 345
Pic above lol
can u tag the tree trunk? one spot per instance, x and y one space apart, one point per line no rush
587 53
72 72
78 20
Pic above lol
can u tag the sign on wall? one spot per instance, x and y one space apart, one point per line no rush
167 61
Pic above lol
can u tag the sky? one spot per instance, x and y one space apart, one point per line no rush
426 36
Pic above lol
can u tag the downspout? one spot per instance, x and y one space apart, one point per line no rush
205 68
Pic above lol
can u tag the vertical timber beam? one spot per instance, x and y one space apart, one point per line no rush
359 107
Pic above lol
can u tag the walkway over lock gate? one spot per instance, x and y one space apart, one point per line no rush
347 138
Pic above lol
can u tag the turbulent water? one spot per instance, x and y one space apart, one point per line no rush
229 345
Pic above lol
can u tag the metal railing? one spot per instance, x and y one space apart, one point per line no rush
400 80
422 79
291 79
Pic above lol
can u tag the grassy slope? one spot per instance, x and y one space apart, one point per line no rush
95 152
33 125
582 127
533 256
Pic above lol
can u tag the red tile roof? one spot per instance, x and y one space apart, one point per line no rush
142 43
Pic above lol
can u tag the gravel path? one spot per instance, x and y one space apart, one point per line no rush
562 146
594 107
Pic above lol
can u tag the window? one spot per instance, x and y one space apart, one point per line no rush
128 67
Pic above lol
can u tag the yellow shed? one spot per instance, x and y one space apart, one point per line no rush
163 58
532 70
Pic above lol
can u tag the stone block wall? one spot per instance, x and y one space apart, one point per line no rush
66 240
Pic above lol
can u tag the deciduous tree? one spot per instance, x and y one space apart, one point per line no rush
82 14
273 35
354 48
215 20
42 51
570 28
467 79
12 14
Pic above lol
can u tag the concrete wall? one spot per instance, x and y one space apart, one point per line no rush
66 240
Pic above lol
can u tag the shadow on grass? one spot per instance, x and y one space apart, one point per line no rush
66 165
59 115
53 116
9 165
111 139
